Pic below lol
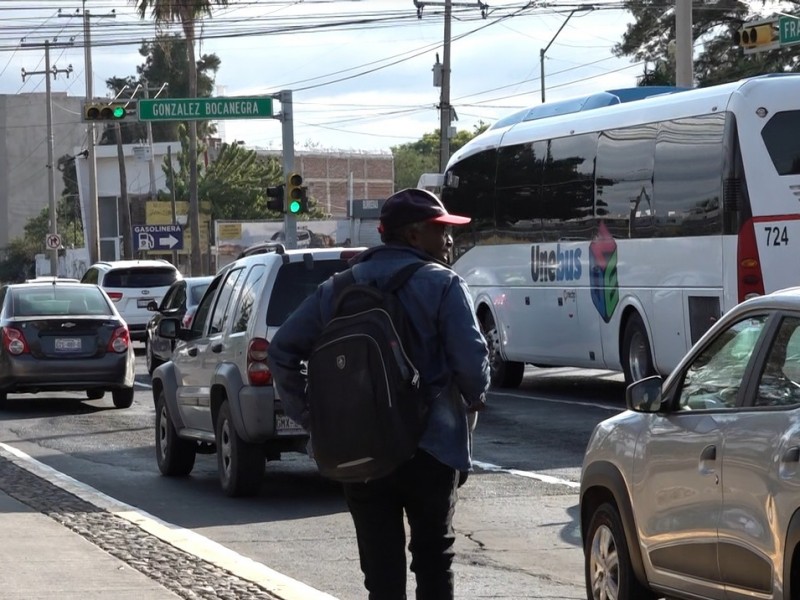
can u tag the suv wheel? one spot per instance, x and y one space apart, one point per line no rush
174 455
608 568
241 465
122 398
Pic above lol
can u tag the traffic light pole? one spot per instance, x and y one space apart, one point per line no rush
287 135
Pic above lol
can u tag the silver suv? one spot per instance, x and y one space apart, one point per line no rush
132 285
217 390
694 492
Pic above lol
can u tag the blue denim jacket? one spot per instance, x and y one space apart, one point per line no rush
452 356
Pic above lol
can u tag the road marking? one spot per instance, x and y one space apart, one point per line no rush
185 539
611 407
529 474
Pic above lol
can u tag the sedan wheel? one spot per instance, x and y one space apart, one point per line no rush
122 398
150 360
240 464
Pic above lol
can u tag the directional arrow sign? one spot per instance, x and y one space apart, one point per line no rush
158 237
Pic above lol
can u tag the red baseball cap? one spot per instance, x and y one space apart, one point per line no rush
414 205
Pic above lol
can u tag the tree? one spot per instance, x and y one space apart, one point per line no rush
235 184
187 13
650 38
415 158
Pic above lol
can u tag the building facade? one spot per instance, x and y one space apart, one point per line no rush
24 171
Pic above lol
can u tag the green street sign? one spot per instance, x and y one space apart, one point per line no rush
204 109
789 28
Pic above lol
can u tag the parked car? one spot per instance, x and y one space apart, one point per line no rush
694 491
132 285
217 390
180 301
64 336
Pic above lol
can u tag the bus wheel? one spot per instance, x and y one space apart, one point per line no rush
637 363
504 374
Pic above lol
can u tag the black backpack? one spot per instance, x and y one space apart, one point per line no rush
366 400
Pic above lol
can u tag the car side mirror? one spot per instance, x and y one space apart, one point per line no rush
152 306
644 396
169 329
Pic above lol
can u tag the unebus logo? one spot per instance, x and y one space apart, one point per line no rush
555 265
603 276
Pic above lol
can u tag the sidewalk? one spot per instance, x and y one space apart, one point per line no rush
42 559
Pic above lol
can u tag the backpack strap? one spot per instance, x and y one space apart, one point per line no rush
399 279
340 282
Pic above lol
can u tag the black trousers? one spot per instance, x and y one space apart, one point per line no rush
426 490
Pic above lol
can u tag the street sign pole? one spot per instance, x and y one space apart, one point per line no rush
287 134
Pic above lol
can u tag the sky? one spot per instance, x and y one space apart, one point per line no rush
360 71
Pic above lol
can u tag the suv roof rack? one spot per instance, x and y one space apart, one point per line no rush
263 248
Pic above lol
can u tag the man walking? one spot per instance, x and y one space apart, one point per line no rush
451 355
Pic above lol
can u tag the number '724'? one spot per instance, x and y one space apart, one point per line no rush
777 236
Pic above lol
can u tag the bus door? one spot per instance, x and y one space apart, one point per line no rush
567 321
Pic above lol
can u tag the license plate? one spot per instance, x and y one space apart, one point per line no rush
68 344
143 302
285 426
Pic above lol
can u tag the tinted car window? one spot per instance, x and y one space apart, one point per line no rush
782 141
176 296
53 302
222 308
199 320
90 276
252 287
714 377
141 277
294 282
196 294
780 381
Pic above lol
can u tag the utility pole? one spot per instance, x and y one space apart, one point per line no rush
172 199
51 188
446 112
684 72
92 216
542 51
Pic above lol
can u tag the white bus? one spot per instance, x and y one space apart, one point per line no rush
609 232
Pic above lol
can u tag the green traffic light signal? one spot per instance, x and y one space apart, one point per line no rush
295 206
119 112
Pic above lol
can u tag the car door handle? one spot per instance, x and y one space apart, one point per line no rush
192 351
791 455
709 453
216 348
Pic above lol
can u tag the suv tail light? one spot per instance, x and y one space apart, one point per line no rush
14 341
186 322
120 340
258 372
115 296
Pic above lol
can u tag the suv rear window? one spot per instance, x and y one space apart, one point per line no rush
140 277
294 283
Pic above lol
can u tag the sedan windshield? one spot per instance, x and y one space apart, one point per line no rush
58 300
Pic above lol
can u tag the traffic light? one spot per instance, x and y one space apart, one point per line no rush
758 36
275 198
107 110
296 195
